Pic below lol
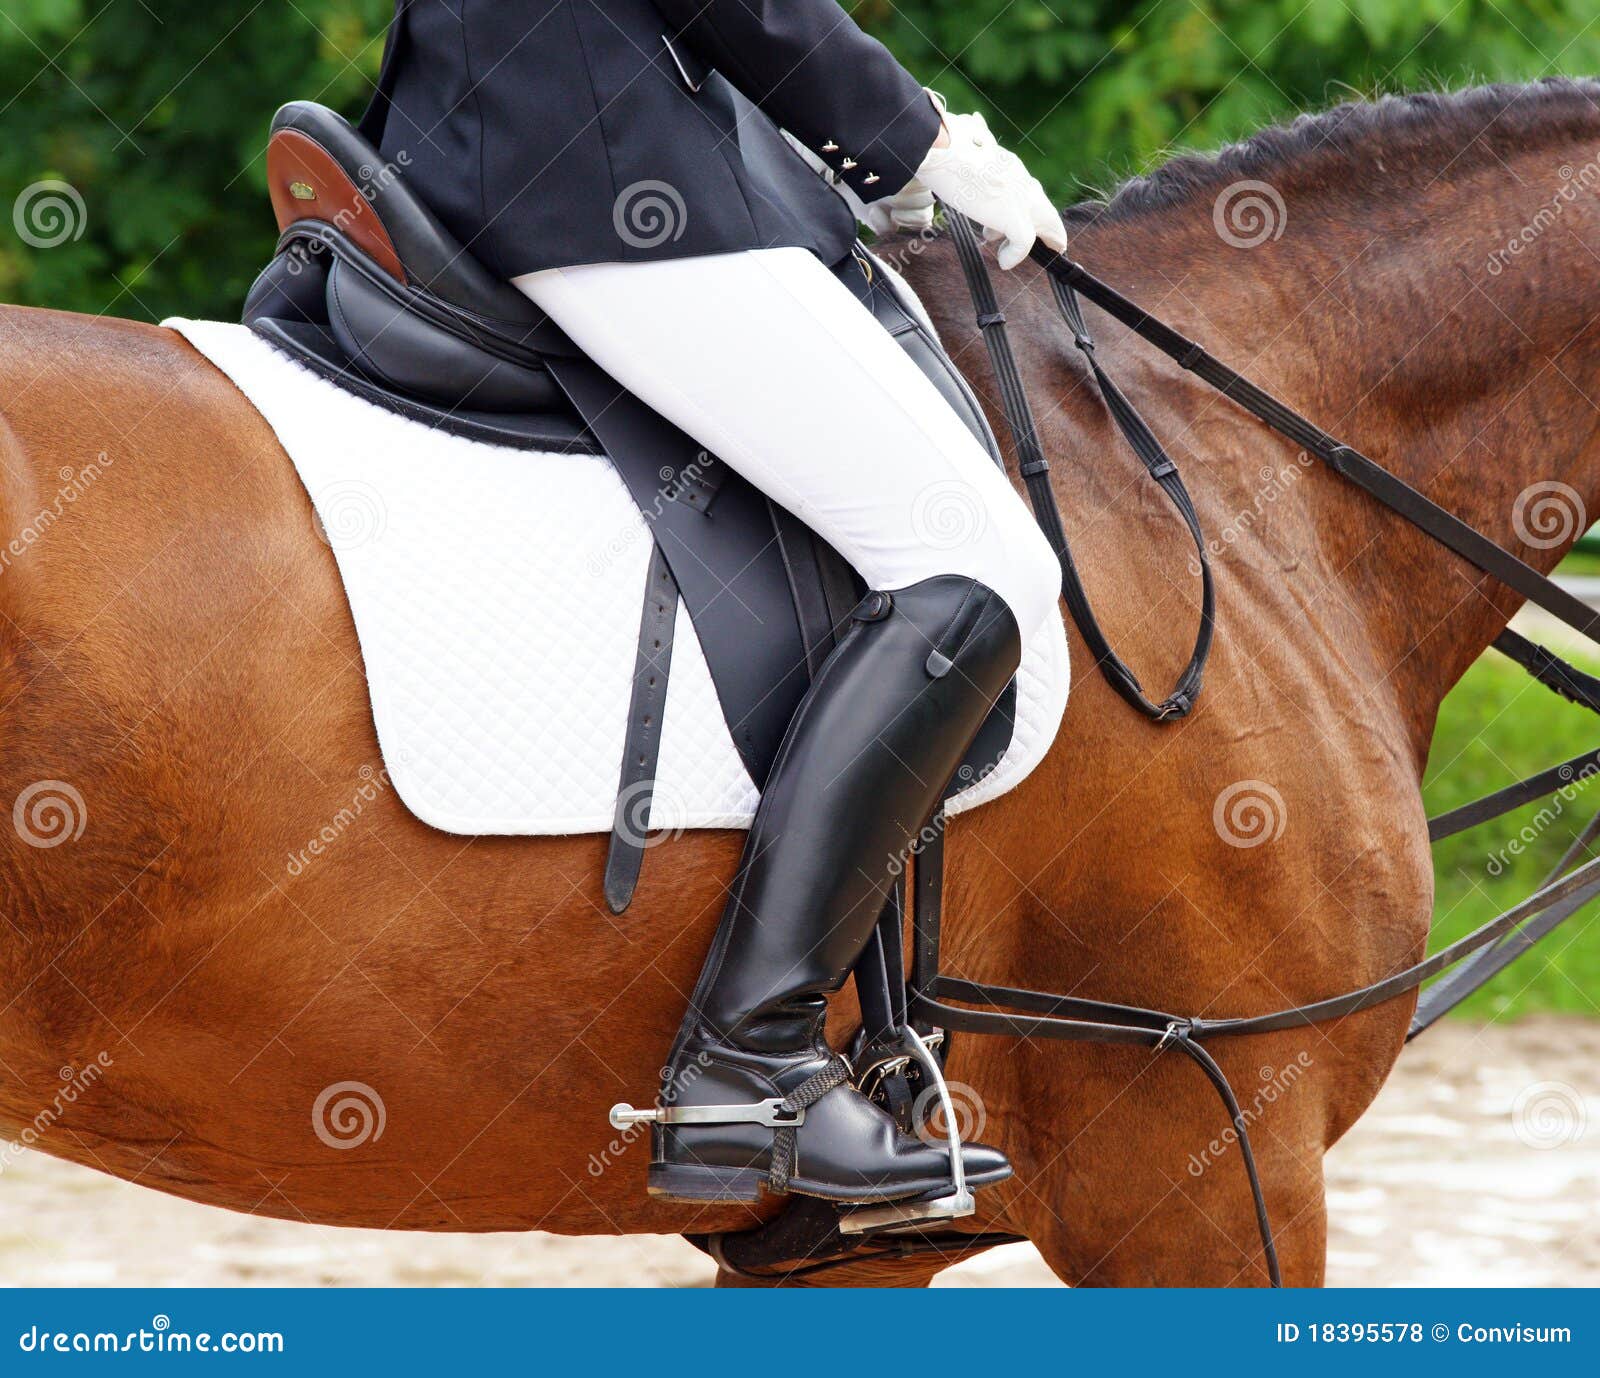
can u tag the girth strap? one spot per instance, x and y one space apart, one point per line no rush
1503 801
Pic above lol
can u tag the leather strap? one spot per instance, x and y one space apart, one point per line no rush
1099 1021
1020 1013
1035 470
880 974
1444 995
1093 1021
785 1146
1556 674
1390 490
726 563
641 748
803 562
927 906
1503 801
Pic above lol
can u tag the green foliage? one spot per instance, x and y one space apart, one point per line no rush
1495 727
154 111
1092 90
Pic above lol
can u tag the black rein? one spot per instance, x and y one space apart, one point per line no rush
1026 1013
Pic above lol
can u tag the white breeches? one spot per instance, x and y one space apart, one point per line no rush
766 359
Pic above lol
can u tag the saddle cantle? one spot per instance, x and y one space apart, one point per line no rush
370 290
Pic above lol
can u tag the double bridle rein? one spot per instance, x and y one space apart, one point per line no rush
1034 1014
810 1229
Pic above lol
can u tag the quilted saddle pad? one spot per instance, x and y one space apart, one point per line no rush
496 595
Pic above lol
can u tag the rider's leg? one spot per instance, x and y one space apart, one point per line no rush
772 365
769 362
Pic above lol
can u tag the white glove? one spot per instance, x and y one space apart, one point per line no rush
911 209
977 177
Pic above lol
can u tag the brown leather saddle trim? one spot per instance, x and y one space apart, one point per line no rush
306 183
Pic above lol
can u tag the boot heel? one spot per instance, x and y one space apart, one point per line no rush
675 1182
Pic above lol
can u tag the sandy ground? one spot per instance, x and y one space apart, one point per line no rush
1479 1165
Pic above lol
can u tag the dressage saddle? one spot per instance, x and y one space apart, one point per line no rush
370 290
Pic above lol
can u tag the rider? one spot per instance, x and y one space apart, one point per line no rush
618 161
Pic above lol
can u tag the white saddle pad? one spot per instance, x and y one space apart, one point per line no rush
497 596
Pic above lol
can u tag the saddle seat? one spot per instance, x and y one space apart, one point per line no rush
369 288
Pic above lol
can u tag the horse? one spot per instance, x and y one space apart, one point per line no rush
236 969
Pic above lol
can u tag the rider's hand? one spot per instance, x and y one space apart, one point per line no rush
975 176
911 208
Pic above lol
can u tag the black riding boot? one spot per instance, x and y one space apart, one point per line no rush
865 762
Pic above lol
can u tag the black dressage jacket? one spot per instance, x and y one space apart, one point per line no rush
553 132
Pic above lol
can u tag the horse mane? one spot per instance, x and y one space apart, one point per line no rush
1396 140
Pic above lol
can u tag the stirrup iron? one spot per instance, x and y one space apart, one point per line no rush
955 1204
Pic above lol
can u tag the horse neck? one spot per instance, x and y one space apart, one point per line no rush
1412 334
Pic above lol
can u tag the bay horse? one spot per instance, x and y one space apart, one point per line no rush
404 1029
